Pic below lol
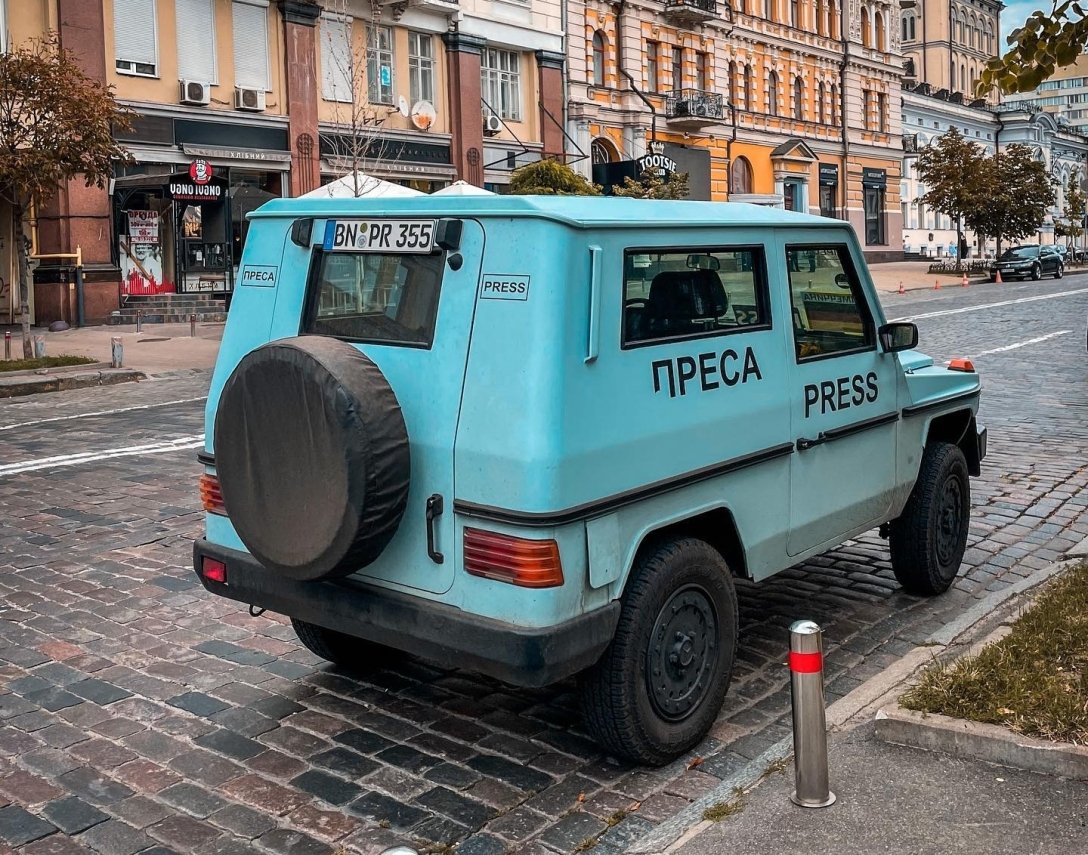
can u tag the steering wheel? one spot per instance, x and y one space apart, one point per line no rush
627 304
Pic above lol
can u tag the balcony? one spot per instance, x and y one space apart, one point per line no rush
691 11
691 109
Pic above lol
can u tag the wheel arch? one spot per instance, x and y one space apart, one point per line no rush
716 526
958 428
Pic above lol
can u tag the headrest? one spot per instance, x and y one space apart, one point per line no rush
687 294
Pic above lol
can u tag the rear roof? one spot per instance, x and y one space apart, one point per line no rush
577 211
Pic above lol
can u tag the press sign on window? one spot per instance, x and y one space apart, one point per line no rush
379 236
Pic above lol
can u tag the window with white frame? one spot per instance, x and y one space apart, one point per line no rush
379 65
421 67
196 40
250 23
500 72
337 70
135 47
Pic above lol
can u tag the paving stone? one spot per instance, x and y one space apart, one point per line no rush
54 699
55 844
197 703
18 826
572 831
242 821
457 807
98 691
328 825
345 762
140 812
29 789
184 833
264 794
364 741
231 744
114 837
73 815
383 809
511 773
334 790
283 841
440 831
205 767
194 800
481 844
93 786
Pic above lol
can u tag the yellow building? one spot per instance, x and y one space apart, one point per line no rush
793 103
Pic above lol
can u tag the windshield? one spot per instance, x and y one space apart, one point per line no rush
389 298
1020 252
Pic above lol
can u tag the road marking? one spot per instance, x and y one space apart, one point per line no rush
1021 344
164 447
997 305
104 413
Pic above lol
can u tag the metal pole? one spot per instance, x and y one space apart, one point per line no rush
39 347
7 344
117 352
80 317
139 320
809 722
192 325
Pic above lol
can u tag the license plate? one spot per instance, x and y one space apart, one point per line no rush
379 236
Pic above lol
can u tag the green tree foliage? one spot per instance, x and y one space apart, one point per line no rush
1071 224
1015 194
1046 42
654 185
951 169
55 124
550 178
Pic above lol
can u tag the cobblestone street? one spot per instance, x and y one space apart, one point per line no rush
141 714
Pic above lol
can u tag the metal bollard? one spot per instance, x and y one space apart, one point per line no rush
192 325
809 722
400 850
139 320
39 347
117 352
7 344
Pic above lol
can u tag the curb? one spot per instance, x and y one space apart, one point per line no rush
971 740
63 382
689 822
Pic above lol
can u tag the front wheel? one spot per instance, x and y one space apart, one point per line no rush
1036 272
660 684
1059 272
929 538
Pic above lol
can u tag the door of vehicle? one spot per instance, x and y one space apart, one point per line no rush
843 398
410 311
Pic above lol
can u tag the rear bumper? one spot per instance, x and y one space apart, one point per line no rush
434 631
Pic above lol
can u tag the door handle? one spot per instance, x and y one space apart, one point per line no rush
805 444
434 510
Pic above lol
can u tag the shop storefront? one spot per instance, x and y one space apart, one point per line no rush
874 184
424 166
829 189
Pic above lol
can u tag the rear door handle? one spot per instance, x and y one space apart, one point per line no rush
434 510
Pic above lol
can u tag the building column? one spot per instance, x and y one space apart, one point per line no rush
550 70
466 111
300 36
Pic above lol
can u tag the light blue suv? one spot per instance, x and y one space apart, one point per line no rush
540 437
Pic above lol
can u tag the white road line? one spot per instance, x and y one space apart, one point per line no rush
163 447
1021 344
104 413
985 306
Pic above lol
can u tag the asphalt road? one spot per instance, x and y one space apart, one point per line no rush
138 712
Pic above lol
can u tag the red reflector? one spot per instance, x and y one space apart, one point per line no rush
526 563
961 365
213 570
806 663
211 496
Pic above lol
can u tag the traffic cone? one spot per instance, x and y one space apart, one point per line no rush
997 278
963 282
936 284
901 291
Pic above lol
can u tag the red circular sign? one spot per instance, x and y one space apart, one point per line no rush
200 171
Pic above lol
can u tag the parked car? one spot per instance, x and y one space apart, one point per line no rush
540 436
1028 261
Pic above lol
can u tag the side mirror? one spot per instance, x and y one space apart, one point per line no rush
898 336
703 262
842 280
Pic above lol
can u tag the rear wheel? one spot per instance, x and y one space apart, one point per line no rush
340 649
660 684
929 538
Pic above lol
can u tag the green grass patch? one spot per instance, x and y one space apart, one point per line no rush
44 362
722 810
1035 680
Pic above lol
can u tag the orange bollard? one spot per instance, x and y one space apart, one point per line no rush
936 284
901 291
963 282
997 278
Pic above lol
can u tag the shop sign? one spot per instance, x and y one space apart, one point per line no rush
184 188
874 177
236 153
200 171
829 174
143 226
655 162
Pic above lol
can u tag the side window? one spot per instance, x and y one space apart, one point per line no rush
830 315
687 293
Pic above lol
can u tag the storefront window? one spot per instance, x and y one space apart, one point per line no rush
828 193
249 189
793 196
874 216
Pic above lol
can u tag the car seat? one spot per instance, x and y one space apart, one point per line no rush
681 301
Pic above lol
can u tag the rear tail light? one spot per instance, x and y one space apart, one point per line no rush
526 563
211 496
213 570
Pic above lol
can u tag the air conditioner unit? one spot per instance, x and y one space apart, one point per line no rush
492 124
195 92
248 99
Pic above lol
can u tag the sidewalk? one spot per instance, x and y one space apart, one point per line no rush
915 276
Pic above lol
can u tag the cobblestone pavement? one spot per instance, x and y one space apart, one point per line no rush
141 714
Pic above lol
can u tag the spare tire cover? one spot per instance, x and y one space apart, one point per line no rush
312 456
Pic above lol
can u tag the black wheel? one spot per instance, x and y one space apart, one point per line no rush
1036 272
341 649
660 684
929 538
1059 272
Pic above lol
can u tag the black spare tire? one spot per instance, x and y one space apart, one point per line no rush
312 456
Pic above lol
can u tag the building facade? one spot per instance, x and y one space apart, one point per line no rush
781 102
1064 96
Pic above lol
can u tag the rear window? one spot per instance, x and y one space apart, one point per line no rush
387 298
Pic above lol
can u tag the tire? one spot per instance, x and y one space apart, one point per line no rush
312 454
928 539
343 650
1059 271
1036 272
681 590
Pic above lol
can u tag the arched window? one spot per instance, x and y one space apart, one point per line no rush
598 58
732 84
821 106
603 151
747 87
740 176
834 95
881 40
798 98
903 22
912 31
963 77
866 35
833 20
772 93
821 18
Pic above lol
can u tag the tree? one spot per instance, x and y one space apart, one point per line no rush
1046 42
1016 191
549 177
55 124
952 170
654 185
1071 224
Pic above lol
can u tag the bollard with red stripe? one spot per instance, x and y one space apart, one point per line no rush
809 722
